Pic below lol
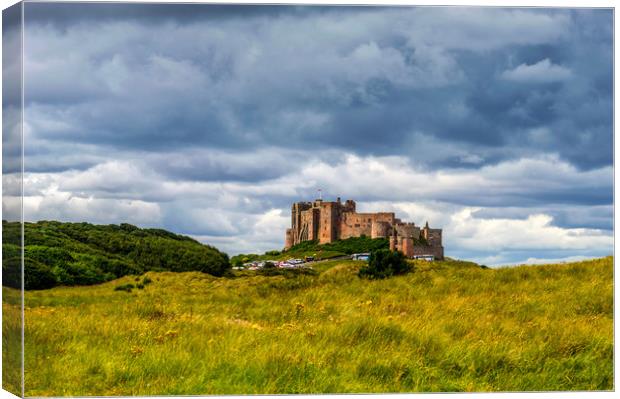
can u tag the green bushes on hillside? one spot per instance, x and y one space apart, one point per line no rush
385 263
348 246
58 253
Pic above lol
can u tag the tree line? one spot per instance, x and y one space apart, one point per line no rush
57 253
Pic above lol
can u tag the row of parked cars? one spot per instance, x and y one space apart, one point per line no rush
285 264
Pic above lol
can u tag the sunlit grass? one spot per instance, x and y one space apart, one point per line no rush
11 341
446 327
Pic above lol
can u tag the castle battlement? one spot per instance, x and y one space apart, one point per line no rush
328 221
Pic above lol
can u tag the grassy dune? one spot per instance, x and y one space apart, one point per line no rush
448 326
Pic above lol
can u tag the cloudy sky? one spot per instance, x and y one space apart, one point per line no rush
494 124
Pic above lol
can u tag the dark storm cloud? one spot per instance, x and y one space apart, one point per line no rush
67 14
364 91
11 96
11 18
11 56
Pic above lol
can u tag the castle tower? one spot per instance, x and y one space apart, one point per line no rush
379 229
407 247
288 239
329 217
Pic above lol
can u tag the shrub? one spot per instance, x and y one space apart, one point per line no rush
146 280
12 272
124 287
37 276
385 263
287 273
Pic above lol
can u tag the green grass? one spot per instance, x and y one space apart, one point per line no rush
11 341
448 326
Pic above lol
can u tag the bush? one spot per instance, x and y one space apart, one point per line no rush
12 272
287 273
269 265
124 287
146 281
37 276
385 263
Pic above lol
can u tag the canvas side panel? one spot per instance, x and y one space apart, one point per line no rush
12 190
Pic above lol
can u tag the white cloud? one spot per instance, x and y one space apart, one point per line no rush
541 72
534 233
502 184
419 212
111 176
541 261
257 233
58 205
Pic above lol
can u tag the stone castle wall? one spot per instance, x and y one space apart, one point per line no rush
380 229
357 224
436 251
408 230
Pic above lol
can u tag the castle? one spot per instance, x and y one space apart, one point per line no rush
328 221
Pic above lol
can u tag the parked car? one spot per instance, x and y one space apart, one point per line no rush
362 256
428 258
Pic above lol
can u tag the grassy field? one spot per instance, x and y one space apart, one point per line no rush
448 326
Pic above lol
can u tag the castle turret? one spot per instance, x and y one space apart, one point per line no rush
288 239
349 206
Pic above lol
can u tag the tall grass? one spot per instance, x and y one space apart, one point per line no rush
447 327
11 341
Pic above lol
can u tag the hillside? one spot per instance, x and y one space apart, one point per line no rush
447 326
318 251
81 253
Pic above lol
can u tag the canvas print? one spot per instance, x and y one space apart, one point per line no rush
204 199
